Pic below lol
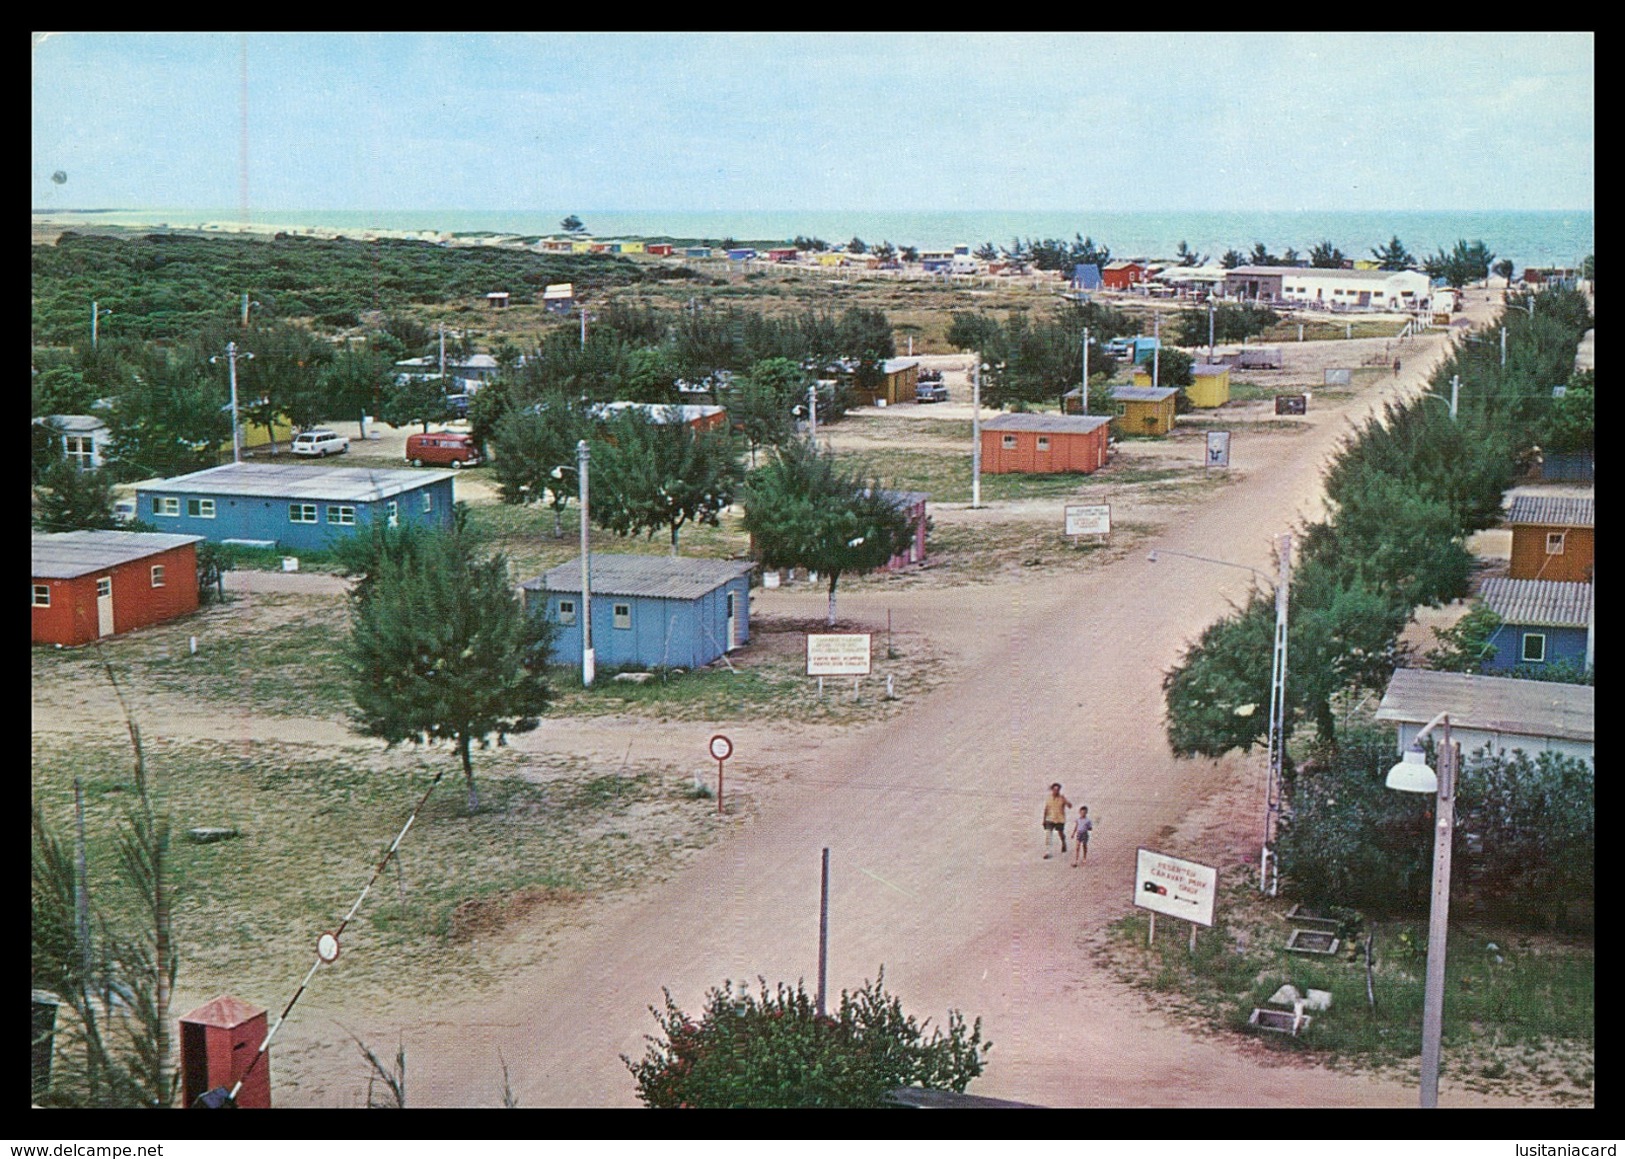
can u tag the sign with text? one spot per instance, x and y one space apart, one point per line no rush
1337 376
1291 404
846 654
1173 886
1218 448
1085 519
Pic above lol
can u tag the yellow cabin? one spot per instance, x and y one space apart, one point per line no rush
1210 385
581 247
631 247
1143 410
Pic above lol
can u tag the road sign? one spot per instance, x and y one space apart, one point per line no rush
1218 448
1337 376
721 747
1291 404
845 654
1085 519
1172 886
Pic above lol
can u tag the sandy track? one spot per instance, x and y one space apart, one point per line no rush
932 823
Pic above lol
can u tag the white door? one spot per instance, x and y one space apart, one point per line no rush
732 635
104 606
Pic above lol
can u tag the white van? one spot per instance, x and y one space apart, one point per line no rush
964 265
320 442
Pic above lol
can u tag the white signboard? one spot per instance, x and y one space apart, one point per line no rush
1218 448
1338 376
1172 886
838 655
1088 520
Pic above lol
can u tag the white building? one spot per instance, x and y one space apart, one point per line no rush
1493 712
1402 290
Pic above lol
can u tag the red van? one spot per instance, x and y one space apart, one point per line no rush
442 449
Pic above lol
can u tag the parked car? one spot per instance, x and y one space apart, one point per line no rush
452 449
930 390
320 442
457 404
1120 347
124 511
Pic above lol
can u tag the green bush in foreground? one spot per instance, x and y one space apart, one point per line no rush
775 1050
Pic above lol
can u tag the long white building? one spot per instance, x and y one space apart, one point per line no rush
1299 285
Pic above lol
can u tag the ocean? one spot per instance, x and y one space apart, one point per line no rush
1544 238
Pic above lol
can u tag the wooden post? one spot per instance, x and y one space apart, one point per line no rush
823 930
1151 935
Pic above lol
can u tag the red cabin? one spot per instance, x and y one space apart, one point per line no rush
89 584
1043 444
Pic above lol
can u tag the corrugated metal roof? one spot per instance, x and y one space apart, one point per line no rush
558 290
894 365
67 554
1204 369
1541 603
657 412
655 576
276 481
1049 424
76 424
1143 393
1552 510
906 498
1491 703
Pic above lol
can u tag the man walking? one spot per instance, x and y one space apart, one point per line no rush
1055 807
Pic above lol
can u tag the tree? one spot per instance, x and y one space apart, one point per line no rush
1503 270
761 402
170 418
1232 259
885 251
1261 256
1393 256
1290 257
1465 646
857 246
572 224
987 252
1174 367
1231 323
531 444
282 379
69 499
1462 264
355 381
1189 257
649 475
440 647
910 253
45 446
804 510
1325 256
414 398
774 1049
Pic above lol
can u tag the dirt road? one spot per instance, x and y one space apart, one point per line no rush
932 825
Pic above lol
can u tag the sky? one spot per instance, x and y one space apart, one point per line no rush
872 122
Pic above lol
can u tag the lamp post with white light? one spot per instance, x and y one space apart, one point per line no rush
1412 775
232 355
96 316
1268 872
583 459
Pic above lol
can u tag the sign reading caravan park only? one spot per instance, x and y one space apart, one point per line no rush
1173 886
844 654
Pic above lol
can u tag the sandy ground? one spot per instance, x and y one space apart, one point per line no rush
932 824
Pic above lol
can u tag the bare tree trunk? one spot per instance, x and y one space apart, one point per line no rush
468 774
833 579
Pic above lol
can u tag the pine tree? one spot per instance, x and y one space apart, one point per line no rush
441 648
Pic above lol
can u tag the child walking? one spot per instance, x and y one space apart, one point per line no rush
1080 834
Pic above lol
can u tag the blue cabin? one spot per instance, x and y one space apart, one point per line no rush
293 506
1145 349
741 255
1543 622
648 611
1086 276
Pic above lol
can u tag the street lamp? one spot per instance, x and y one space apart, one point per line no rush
96 316
232 355
1412 775
1455 395
583 458
1268 872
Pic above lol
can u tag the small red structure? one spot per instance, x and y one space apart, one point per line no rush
219 1042
1124 275
912 503
1043 444
659 248
89 584
784 254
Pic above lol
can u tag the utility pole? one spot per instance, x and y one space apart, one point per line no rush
976 433
583 458
96 314
812 410
1083 393
583 326
1269 872
442 356
1455 390
1210 331
823 931
1503 346
1156 351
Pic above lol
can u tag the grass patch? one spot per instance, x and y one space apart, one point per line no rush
1525 1000
1326 330
279 653
248 910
